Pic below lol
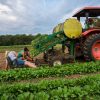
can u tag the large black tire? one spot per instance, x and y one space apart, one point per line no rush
89 42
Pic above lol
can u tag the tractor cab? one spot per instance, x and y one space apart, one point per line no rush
92 15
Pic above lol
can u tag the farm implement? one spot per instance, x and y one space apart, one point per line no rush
79 42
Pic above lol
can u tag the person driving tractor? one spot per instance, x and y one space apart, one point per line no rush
89 23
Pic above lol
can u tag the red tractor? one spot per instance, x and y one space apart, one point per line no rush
81 42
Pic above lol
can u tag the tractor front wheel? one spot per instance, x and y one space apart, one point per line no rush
92 47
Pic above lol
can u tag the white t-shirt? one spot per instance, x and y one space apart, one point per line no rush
12 55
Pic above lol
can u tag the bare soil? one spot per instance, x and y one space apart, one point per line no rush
2 61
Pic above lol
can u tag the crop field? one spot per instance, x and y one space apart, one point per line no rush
50 50
66 82
72 81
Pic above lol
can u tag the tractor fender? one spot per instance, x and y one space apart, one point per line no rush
90 31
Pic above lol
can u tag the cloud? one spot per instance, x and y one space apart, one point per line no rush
6 14
77 5
37 16
70 14
4 8
12 18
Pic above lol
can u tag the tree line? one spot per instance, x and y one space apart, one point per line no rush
22 39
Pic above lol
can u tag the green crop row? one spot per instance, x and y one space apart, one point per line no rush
85 88
69 69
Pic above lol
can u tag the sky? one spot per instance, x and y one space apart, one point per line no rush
37 16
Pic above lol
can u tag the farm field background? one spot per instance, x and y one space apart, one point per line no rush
61 50
79 81
73 81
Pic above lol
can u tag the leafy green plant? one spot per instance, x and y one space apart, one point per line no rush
63 89
25 96
60 71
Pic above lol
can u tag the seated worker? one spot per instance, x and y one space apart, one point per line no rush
13 56
25 55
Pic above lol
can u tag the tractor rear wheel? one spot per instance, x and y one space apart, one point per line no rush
92 47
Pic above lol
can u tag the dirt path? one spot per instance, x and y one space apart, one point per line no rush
2 61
